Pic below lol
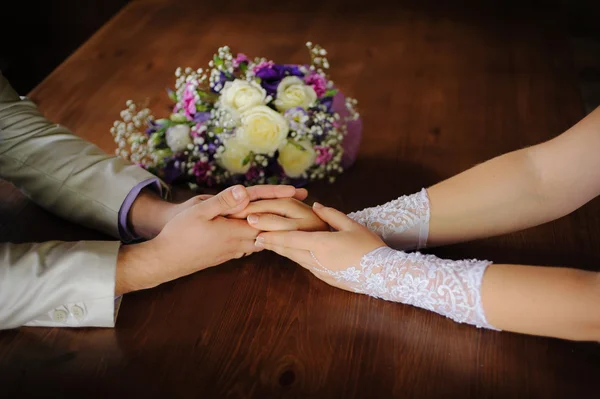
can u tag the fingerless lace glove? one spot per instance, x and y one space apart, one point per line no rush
402 223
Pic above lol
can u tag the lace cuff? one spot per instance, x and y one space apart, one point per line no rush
402 223
450 288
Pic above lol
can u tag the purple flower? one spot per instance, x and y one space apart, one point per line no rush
262 65
297 118
171 171
252 174
201 171
218 85
271 75
328 103
318 83
153 126
201 117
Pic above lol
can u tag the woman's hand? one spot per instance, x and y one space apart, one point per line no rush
325 254
283 214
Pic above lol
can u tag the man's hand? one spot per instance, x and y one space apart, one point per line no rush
196 238
149 213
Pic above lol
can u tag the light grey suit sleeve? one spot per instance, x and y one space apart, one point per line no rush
67 284
58 284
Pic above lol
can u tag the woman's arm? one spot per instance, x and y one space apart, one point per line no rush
536 300
547 301
521 189
511 192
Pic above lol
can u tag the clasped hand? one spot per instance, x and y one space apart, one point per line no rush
208 230
323 240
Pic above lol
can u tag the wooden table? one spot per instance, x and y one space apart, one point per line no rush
439 90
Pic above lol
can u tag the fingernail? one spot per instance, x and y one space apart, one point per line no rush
253 219
260 242
316 205
238 193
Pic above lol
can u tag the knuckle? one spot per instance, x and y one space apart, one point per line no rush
224 200
197 199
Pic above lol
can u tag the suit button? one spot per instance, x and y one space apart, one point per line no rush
77 312
60 315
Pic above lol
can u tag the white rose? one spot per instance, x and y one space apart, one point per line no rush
178 137
293 92
241 95
262 130
233 157
294 160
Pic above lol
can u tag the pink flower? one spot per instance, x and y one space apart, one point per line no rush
324 155
198 130
189 102
262 65
239 59
318 83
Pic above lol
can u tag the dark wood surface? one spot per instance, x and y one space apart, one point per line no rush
440 89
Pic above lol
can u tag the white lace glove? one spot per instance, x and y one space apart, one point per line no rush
402 223
450 288
355 259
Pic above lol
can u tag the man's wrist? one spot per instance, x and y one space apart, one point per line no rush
134 268
148 214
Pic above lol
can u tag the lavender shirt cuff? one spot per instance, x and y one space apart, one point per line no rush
126 234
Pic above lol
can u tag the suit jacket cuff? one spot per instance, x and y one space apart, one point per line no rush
59 284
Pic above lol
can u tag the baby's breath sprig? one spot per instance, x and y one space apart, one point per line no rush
351 105
221 64
128 133
318 56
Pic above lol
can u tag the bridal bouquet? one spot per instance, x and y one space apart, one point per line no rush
245 121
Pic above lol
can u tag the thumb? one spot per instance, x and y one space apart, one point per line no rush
229 201
333 217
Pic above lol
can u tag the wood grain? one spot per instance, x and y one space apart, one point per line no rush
440 89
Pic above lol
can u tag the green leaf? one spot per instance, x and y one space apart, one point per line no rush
247 160
218 130
172 95
178 118
218 61
163 122
297 145
155 139
164 153
331 92
244 67
272 180
201 107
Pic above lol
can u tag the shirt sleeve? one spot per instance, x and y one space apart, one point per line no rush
126 233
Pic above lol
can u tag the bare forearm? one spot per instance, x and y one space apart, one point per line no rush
520 189
493 198
545 301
